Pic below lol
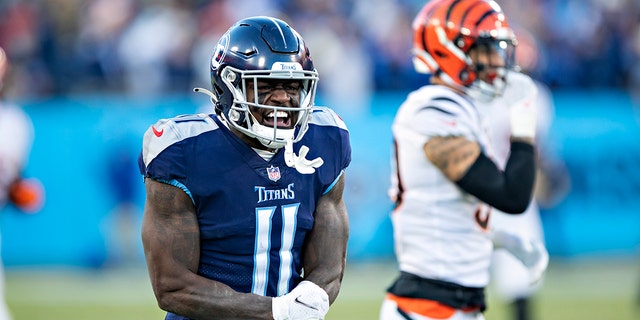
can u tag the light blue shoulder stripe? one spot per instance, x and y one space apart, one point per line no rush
333 183
179 185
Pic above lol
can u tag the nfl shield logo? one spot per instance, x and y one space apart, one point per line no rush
274 173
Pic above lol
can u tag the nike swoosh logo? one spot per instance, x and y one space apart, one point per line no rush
304 304
156 132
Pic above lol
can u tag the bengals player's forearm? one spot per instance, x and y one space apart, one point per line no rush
463 162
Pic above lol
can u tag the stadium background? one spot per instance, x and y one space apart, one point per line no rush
86 153
94 74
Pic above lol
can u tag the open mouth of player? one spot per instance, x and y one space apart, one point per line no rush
279 119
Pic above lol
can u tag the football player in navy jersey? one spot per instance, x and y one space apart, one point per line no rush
244 216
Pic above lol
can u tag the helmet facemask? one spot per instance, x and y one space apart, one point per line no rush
280 123
492 58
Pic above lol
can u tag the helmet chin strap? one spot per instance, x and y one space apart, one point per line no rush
212 96
300 162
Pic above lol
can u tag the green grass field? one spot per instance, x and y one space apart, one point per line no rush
577 290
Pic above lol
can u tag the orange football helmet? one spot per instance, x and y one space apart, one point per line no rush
446 31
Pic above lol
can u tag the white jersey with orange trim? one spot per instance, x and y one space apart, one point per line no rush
439 229
16 137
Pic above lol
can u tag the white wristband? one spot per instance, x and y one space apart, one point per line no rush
520 96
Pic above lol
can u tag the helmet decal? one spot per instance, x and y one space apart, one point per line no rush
220 51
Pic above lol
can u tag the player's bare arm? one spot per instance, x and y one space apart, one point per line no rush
452 155
171 240
326 247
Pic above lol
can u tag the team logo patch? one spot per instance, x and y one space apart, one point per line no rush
273 173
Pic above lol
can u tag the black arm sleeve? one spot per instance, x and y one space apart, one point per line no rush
509 191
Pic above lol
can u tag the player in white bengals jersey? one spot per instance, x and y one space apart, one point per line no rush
16 136
444 180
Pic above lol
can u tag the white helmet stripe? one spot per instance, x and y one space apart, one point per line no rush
279 29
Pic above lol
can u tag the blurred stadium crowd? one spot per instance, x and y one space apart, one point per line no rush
151 47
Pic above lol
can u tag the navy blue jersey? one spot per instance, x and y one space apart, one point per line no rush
253 214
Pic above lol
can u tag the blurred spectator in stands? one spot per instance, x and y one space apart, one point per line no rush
155 49
101 26
21 32
72 46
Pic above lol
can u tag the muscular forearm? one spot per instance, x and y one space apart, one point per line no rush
207 299
326 248
327 275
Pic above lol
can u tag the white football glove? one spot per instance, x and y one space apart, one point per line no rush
530 252
307 301
300 161
520 94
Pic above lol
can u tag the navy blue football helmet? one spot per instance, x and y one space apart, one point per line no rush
258 49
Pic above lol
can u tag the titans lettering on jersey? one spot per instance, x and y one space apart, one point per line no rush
253 214
266 194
